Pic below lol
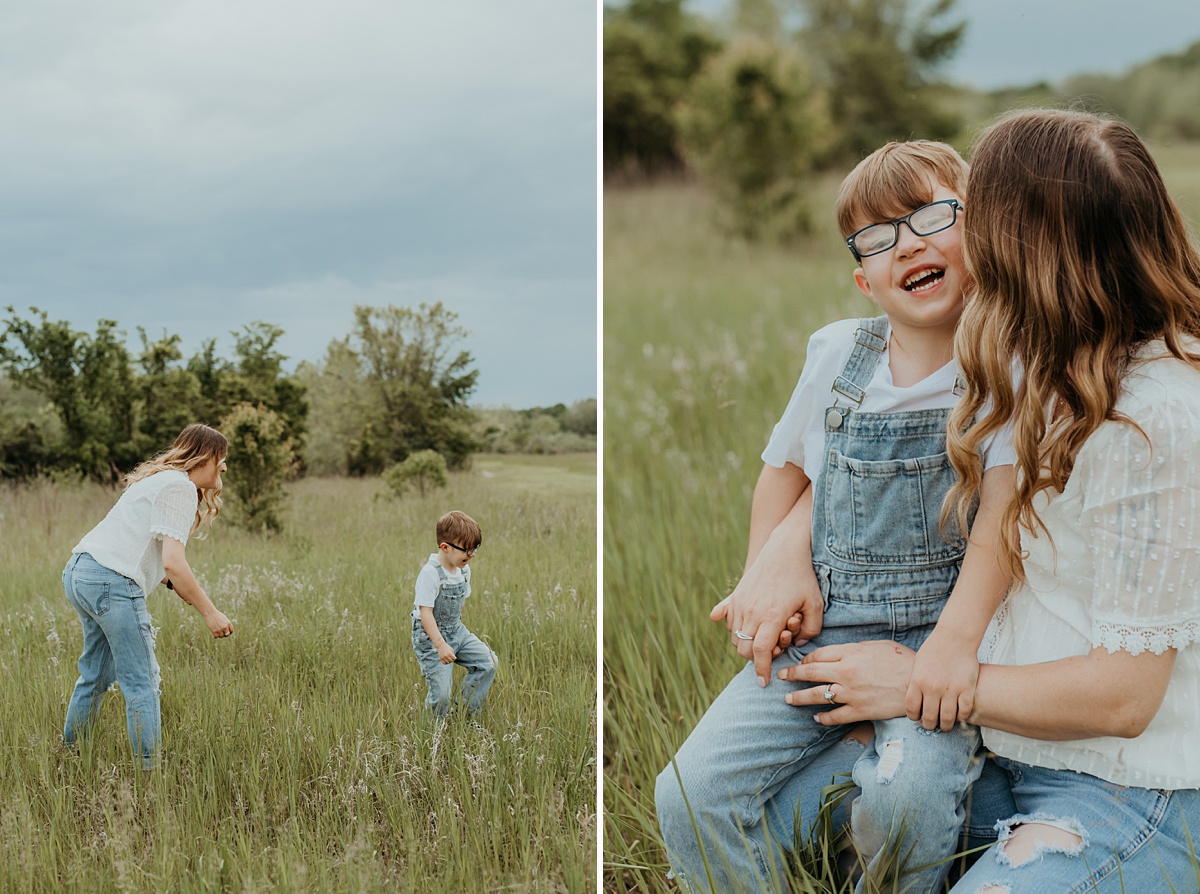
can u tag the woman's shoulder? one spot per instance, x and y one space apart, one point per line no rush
1161 397
167 479
1162 387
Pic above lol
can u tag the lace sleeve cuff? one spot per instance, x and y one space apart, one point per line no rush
1136 640
167 532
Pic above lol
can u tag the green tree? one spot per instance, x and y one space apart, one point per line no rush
255 376
416 384
336 391
879 60
169 394
752 126
88 380
261 458
652 50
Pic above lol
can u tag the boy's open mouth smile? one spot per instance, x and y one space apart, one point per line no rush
925 279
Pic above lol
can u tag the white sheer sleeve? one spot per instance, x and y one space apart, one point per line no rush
174 511
1141 502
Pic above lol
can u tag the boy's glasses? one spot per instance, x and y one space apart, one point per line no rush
925 221
469 552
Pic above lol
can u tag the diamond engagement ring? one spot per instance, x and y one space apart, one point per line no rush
829 693
741 635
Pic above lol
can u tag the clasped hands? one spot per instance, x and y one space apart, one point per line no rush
873 680
769 615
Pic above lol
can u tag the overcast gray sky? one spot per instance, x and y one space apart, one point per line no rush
195 165
1018 42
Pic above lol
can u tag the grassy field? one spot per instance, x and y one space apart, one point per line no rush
703 342
297 755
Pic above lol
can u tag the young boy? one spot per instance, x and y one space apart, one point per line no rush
438 635
866 428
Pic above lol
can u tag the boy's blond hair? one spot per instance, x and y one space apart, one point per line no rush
459 529
894 179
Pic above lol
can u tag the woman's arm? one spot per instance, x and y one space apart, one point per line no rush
184 582
1097 694
942 688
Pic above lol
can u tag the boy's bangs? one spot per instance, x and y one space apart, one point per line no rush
884 195
895 180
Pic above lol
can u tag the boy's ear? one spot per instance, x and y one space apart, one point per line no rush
860 280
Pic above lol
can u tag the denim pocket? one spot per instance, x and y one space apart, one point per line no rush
92 594
886 512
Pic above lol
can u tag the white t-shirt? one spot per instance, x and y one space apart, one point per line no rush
1123 572
129 539
799 436
429 584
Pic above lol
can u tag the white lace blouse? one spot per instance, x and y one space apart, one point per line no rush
129 539
1123 572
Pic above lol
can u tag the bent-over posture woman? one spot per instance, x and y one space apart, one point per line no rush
1089 690
141 541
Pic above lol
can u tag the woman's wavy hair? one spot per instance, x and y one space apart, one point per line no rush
1080 257
194 446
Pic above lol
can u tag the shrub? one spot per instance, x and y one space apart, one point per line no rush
425 469
261 458
752 126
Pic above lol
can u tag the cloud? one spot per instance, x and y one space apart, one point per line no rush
206 164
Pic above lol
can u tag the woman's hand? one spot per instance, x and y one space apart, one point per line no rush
778 600
218 624
941 690
868 681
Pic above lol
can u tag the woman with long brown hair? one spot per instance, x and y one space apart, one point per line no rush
142 540
1089 687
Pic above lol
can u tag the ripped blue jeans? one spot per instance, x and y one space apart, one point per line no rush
1083 834
118 645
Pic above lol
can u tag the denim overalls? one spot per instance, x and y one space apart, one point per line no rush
469 650
885 572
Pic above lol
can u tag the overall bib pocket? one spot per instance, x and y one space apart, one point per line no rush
885 512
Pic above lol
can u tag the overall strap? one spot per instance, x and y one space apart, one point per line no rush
870 341
441 572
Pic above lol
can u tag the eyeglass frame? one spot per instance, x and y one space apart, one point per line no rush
465 552
954 204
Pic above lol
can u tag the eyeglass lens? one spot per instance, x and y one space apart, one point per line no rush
924 221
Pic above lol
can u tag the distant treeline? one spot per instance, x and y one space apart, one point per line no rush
79 404
756 103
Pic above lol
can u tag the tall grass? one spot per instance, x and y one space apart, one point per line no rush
297 754
703 342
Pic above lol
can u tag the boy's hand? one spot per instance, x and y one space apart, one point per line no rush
445 653
790 634
941 689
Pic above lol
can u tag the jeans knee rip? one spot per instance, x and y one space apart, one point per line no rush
1070 825
994 888
889 760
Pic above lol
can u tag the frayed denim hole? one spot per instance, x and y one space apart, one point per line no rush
1039 846
890 760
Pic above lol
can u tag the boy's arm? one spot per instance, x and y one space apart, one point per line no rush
445 653
941 689
779 581
775 494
